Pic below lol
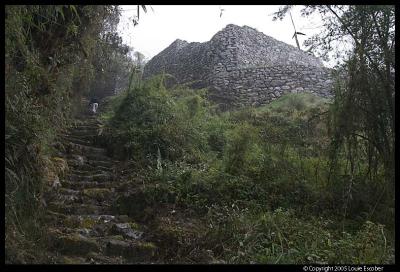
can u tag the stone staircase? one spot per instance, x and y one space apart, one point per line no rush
85 228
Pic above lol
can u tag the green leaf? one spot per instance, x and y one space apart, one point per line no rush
12 173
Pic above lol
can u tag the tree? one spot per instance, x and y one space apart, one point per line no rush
111 64
362 117
139 60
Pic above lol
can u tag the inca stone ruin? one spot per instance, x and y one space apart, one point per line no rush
242 66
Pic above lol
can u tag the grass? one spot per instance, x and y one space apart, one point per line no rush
256 178
297 101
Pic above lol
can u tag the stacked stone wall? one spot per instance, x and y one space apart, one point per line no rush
261 85
242 66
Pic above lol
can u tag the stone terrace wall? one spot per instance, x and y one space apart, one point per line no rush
242 66
255 49
261 85
187 62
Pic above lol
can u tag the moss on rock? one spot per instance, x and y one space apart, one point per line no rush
88 223
76 244
97 193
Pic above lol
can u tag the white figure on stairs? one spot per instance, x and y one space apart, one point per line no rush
94 107
93 104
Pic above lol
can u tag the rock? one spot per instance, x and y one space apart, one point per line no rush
139 251
78 159
98 193
56 183
96 258
127 230
87 222
73 260
123 217
118 248
76 244
106 218
84 232
133 205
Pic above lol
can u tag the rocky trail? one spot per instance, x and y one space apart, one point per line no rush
85 228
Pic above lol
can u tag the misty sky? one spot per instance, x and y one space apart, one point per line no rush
159 27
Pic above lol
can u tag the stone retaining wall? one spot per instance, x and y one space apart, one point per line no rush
242 66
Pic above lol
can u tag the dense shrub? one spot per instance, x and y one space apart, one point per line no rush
260 178
281 237
148 119
240 149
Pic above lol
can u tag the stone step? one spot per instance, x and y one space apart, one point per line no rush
66 191
85 195
89 137
85 140
79 208
92 226
89 123
92 160
128 230
99 258
85 149
74 244
88 167
134 251
90 178
86 123
99 194
86 126
66 199
100 226
89 172
101 161
89 220
82 132
84 242
87 185
71 139
82 159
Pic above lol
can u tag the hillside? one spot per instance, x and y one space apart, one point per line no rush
260 156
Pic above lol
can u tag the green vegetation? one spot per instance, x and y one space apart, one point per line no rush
260 179
51 61
301 180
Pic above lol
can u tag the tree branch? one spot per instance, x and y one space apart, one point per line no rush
387 83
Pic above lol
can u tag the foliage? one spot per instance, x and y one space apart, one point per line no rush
361 119
48 51
111 65
301 180
279 236
240 149
251 166
149 119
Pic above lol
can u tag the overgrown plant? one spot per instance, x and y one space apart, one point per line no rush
48 50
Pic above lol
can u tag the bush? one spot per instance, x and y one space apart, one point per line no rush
135 125
260 178
149 118
238 156
281 237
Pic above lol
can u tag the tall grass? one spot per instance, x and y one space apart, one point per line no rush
258 178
